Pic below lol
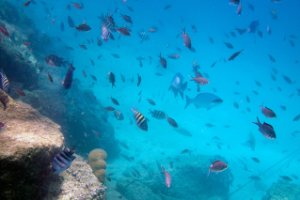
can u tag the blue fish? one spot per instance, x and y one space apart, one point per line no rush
4 83
62 160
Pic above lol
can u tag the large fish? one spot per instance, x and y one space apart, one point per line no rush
178 85
204 100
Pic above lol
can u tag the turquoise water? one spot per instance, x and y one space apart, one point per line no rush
248 75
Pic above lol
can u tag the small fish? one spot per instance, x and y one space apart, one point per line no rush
234 55
54 60
114 101
167 7
228 45
268 112
187 40
286 178
83 46
83 27
200 80
109 108
93 77
69 77
4 82
158 114
20 92
27 3
174 56
168 179
172 122
140 120
255 178
4 30
217 166
296 118
255 159
118 115
287 79
151 102
139 80
266 129
163 61
239 9
124 31
112 79
62 160
77 5
272 59
127 18
185 151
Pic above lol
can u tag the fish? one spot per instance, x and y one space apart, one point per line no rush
167 175
114 101
255 159
67 83
140 120
200 80
296 118
77 5
172 122
167 7
204 100
234 55
124 31
241 31
217 166
185 151
127 18
27 3
158 114
62 26
109 108
94 77
272 59
178 86
4 30
187 40
266 129
268 112
105 33
163 61
112 79
20 92
286 178
184 132
255 178
83 27
62 160
228 45
151 102
139 80
253 26
4 82
234 2
174 56
239 9
118 115
54 60
71 22
287 79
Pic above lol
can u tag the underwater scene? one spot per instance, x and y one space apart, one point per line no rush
149 100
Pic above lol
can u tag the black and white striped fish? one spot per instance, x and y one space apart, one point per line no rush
4 82
140 120
62 160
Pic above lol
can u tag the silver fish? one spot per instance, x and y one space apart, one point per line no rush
178 85
204 100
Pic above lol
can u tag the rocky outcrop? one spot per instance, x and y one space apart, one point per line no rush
283 190
77 182
28 143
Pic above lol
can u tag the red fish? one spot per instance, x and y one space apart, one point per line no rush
267 112
124 31
200 80
4 30
217 166
187 40
168 179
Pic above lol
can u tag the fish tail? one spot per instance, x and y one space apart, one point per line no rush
188 101
257 122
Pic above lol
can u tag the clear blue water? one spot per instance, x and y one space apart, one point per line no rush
233 81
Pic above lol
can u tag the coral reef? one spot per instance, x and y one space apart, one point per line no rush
77 182
283 190
28 142
189 180
96 160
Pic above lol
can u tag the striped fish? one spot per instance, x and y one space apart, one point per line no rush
158 114
62 160
4 83
140 120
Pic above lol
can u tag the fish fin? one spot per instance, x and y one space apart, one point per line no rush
184 86
188 101
257 122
